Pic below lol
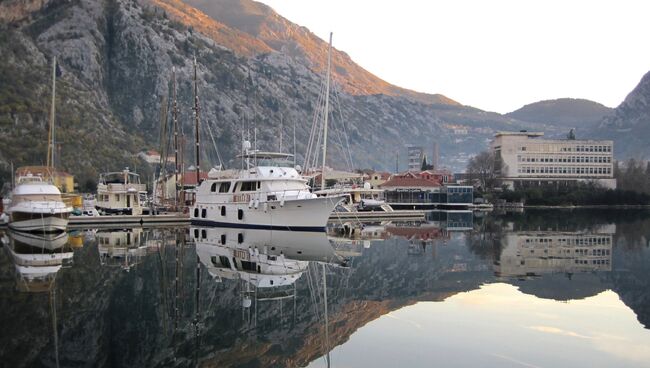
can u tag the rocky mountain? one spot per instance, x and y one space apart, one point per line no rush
565 113
629 124
116 59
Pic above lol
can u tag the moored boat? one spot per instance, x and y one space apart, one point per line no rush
119 193
268 196
36 205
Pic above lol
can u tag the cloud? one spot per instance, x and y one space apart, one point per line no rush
558 331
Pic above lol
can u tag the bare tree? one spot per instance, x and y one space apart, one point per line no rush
482 167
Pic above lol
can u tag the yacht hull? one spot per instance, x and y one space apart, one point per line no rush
290 215
30 222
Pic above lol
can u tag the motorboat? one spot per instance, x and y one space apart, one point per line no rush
268 194
37 206
120 193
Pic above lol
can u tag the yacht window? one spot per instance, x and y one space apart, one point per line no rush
204 234
204 212
224 261
225 187
248 186
223 210
213 187
240 214
223 239
240 238
196 233
196 212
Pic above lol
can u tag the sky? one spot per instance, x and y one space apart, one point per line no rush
493 55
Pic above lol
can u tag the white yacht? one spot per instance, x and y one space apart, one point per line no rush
119 193
266 195
36 205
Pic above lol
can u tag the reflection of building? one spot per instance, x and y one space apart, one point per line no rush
537 253
525 159
425 190
122 248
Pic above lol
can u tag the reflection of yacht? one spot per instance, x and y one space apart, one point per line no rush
121 248
37 258
266 195
120 193
36 205
262 258
527 254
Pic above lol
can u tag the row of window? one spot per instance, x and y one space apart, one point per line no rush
574 159
581 148
243 186
592 240
565 170
593 261
222 211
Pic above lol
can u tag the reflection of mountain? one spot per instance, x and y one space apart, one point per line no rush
145 318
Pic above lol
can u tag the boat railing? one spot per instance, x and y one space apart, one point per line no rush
113 187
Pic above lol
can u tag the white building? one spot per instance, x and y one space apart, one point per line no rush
526 159
415 156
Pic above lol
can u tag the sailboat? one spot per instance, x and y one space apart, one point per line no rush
268 194
36 204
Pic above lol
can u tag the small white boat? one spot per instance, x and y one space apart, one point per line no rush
269 196
119 193
36 205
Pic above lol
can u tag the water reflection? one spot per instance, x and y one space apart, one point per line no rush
237 297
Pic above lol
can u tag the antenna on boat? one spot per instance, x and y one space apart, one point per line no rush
294 143
175 123
281 132
50 136
327 101
196 127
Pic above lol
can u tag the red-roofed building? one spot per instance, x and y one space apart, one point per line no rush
425 190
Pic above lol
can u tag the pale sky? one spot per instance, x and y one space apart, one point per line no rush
493 55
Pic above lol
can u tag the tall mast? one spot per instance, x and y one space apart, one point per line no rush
327 102
175 122
50 135
196 127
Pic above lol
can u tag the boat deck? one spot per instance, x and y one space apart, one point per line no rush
77 222
371 216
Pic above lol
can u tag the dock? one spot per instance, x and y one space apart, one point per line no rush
111 221
372 216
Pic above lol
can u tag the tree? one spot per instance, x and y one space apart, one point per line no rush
425 165
482 168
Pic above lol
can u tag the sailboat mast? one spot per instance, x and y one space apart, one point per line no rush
196 127
326 113
175 122
50 135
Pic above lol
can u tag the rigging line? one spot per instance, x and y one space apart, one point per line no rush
214 144
343 125
315 127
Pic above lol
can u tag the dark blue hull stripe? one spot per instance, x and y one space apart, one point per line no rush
198 222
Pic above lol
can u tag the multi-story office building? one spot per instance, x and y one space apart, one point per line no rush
524 159
415 156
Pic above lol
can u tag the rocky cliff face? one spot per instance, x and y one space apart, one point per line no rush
629 125
116 58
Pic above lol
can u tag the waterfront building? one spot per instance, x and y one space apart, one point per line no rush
377 178
424 191
525 159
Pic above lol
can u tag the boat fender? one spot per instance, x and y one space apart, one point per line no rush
282 201
257 203
266 207
250 204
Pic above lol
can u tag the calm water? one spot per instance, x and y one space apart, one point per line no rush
536 289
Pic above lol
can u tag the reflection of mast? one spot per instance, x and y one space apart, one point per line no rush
55 331
196 315
327 336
